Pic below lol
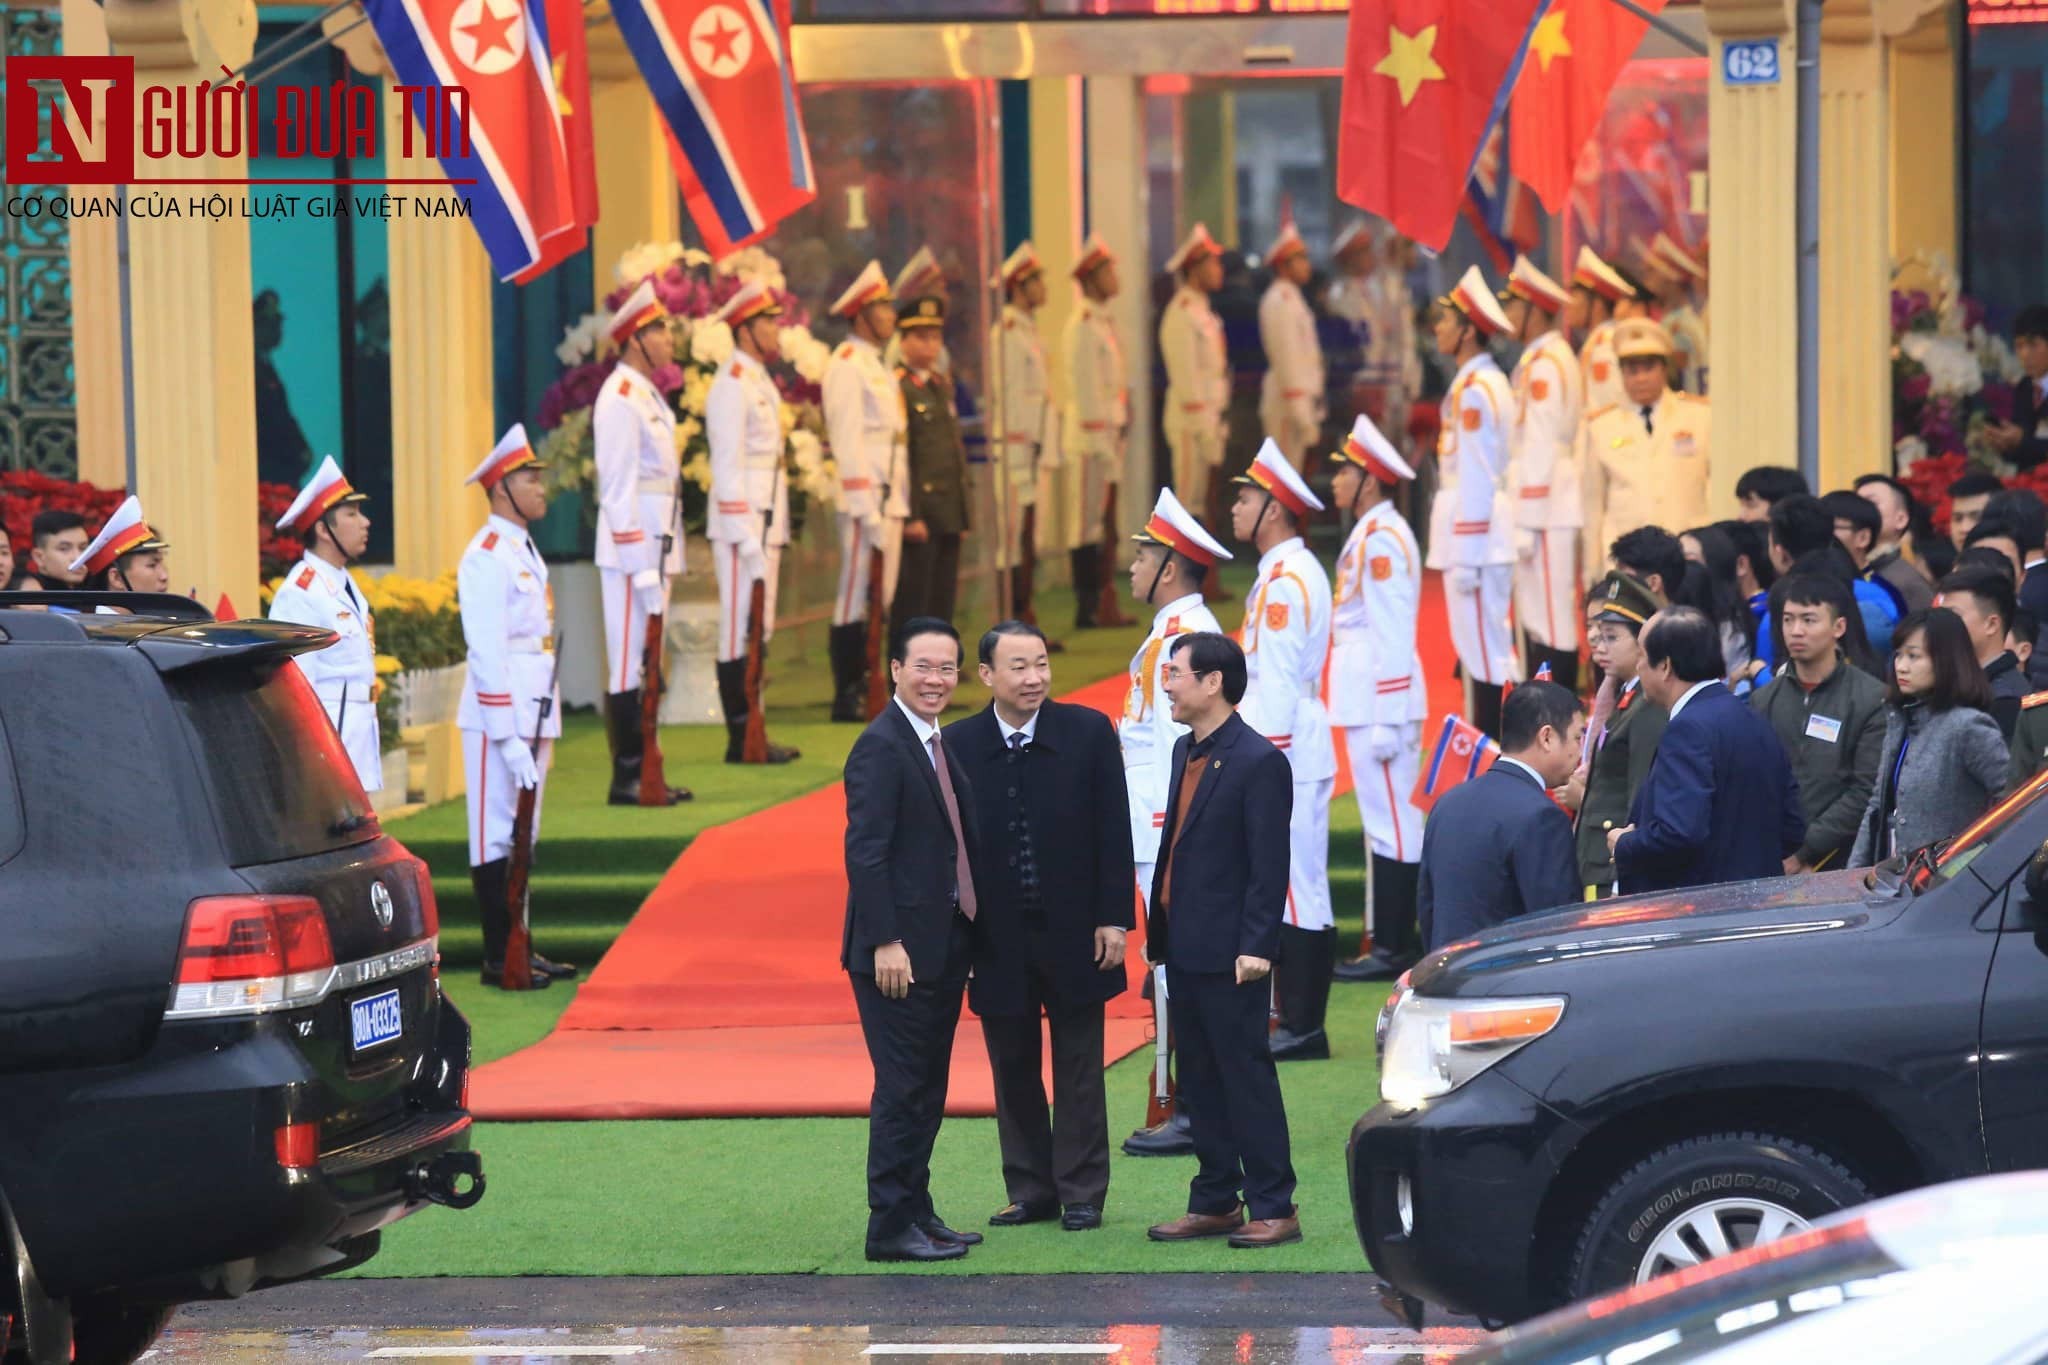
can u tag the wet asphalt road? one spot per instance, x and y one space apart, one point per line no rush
1130 1319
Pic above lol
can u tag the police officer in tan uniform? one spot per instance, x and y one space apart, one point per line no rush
1644 462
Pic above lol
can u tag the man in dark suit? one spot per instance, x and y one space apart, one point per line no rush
1049 793
1720 803
1218 892
911 848
1497 847
2024 440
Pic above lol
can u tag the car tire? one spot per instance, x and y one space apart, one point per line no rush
106 1330
1727 1184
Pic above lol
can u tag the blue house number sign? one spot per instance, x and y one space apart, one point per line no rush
1750 63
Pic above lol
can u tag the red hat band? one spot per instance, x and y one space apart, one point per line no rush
115 548
1166 532
1282 494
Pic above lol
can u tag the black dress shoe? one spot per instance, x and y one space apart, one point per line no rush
493 974
678 795
914 1244
1171 1138
939 1232
1081 1218
1313 1046
1372 967
553 971
1017 1215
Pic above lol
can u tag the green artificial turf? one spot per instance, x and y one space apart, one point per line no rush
751 1196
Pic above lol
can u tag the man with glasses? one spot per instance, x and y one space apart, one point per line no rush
912 849
1049 786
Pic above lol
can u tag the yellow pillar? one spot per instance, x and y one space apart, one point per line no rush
636 189
1922 138
1855 266
99 383
441 416
1116 209
1754 341
188 307
1056 216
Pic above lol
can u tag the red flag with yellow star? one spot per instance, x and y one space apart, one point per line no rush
1424 81
1576 53
569 58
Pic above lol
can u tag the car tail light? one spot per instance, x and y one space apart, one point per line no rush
430 909
298 1146
250 954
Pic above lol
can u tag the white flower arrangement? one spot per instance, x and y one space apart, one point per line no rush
1951 364
805 353
581 341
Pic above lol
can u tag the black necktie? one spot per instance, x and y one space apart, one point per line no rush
1648 426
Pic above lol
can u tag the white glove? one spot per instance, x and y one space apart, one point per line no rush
1525 546
1384 743
753 560
1463 581
649 593
871 526
519 764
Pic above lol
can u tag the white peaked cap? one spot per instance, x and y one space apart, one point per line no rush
1271 471
124 533
1094 252
1171 526
513 451
1475 300
1369 449
870 286
1590 272
1198 245
1021 265
1527 282
921 266
753 299
1286 244
639 309
328 488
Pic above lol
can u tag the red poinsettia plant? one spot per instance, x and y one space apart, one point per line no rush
25 492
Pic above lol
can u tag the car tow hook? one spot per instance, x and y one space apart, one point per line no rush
1405 1307
441 1180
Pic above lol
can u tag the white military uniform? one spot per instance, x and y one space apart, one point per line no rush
1197 392
508 624
1636 477
748 519
1286 641
344 675
1098 417
1601 370
1548 508
1024 427
634 432
865 423
1376 675
1148 730
1291 396
1470 524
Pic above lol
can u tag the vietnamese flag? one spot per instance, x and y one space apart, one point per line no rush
1575 55
1424 81
569 57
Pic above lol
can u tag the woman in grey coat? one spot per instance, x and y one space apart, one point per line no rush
1944 759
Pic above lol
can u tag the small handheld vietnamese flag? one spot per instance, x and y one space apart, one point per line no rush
1462 752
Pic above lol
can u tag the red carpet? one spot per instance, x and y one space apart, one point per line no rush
724 997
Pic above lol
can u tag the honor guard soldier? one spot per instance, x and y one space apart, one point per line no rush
1286 642
126 556
864 423
1196 418
1098 423
929 583
1471 526
1622 742
1378 696
920 277
1685 322
1645 460
1023 427
748 521
1291 397
508 736
320 591
639 523
1545 474
1596 290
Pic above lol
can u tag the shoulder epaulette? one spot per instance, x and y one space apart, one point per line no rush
1602 412
735 369
2033 700
490 540
1698 398
305 579
625 387
845 350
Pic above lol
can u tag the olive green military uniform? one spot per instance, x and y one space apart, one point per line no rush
930 578
2029 742
1621 757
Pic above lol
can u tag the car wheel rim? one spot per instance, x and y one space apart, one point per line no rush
1715 1229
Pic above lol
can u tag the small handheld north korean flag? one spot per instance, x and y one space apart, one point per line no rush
1542 672
1462 752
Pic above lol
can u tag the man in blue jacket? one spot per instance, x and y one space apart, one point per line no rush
1720 803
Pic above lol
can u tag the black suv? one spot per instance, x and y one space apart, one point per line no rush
225 1061
1589 1098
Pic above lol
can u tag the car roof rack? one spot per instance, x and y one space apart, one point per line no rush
136 603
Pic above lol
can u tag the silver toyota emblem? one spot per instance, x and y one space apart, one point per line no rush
380 901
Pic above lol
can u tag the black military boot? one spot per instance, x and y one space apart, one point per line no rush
848 646
1395 942
1301 989
494 909
1486 701
1083 564
1174 1137
629 746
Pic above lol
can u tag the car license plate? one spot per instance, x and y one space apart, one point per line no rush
375 1019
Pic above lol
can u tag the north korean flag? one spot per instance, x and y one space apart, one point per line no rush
1424 82
509 148
720 73
1462 752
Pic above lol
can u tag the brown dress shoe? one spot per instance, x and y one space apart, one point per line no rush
1190 1226
1268 1232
